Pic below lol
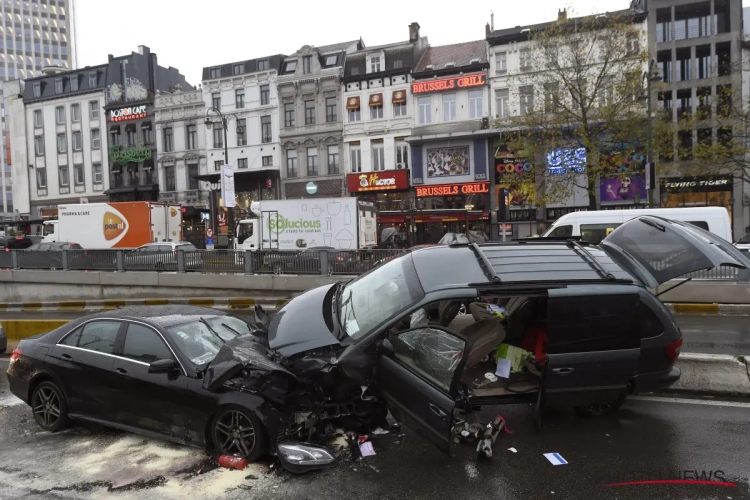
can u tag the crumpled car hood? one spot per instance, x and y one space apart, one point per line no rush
236 355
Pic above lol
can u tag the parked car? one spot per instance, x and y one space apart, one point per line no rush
343 353
305 261
54 247
163 257
744 243
45 255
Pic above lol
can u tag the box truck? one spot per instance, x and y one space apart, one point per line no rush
115 225
341 223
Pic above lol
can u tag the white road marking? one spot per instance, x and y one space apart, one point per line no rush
706 402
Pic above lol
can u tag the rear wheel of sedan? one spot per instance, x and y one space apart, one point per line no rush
49 407
237 431
600 409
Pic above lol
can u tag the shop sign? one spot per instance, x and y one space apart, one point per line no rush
626 188
563 161
311 188
697 184
453 189
387 180
130 113
118 154
453 83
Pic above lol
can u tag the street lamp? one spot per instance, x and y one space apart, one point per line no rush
650 77
224 121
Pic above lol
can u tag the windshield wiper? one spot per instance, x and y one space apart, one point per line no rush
216 334
231 329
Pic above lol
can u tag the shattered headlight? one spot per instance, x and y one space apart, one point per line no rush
298 457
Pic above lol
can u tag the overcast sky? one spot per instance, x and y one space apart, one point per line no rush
191 34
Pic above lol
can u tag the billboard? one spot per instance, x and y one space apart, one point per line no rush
448 162
625 188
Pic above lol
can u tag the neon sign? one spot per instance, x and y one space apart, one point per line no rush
123 114
453 189
456 82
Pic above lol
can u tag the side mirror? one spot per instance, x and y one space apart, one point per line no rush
162 366
384 347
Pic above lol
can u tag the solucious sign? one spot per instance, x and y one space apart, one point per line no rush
132 113
456 82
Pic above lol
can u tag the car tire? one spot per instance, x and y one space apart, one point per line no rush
600 410
49 407
229 425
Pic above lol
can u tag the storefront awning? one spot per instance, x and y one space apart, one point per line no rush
352 103
399 97
237 173
376 99
120 190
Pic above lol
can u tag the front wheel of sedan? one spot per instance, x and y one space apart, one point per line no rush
237 431
49 407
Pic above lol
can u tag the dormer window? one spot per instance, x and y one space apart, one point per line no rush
398 63
375 64
290 66
332 60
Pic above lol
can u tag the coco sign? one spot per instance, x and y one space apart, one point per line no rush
510 167
123 114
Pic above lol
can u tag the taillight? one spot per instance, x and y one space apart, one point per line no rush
673 349
16 354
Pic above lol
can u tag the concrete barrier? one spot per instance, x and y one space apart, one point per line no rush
20 329
715 374
235 303
711 309
703 291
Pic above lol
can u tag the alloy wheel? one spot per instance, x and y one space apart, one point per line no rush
235 433
46 406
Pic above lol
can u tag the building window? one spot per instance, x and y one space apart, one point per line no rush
79 175
192 137
526 94
309 112
96 139
64 177
241 132
376 112
37 90
216 100
218 137
291 163
242 163
333 159
265 95
114 136
94 110
75 112
378 156
355 158
684 64
402 155
449 107
74 83
62 143
331 60
39 145
332 114
375 64
132 134
96 170
290 66
218 164
501 63
168 140
214 73
92 80
169 181
239 98
525 56
38 119
354 115
60 115
77 141
237 69
147 133
193 171
266 132
475 103
399 109
267 161
424 104
312 161
41 178
307 64
289 115
263 65
58 85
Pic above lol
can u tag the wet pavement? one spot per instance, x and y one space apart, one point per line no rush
650 439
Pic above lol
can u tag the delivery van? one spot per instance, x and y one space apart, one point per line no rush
594 226
115 225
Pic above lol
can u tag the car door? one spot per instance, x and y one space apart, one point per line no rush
656 250
418 378
156 402
593 347
82 360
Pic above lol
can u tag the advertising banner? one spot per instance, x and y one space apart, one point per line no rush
448 162
227 186
625 188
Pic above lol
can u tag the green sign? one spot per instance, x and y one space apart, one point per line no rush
118 154
280 224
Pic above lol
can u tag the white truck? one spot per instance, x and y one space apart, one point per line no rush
340 223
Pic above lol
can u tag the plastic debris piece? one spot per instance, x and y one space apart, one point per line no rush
374 468
513 450
555 459
367 449
251 477
232 462
380 430
351 438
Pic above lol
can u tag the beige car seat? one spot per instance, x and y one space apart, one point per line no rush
486 335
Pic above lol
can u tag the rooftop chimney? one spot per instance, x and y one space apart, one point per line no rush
487 31
52 70
562 15
492 20
413 32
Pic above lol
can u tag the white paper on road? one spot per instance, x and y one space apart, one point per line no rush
555 459
513 450
503 368
367 449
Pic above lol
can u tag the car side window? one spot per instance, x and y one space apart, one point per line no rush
561 232
145 345
432 353
99 336
595 233
72 339
44 247
163 248
700 223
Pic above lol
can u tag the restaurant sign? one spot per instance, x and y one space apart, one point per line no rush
452 83
118 154
468 188
130 113
387 180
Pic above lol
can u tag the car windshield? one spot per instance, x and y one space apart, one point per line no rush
49 229
202 337
378 295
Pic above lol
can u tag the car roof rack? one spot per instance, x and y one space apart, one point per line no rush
591 259
543 239
484 262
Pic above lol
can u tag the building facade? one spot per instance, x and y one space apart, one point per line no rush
311 134
449 142
36 35
378 117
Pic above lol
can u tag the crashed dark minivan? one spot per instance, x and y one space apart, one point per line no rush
392 339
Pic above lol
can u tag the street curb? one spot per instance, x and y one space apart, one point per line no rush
716 374
709 309
108 305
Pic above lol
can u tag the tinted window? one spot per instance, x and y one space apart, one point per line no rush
649 323
595 233
189 247
164 248
701 224
145 345
72 339
99 336
561 232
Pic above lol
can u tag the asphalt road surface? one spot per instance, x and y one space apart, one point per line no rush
701 334
692 449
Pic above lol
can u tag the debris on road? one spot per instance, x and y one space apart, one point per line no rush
493 430
366 449
233 462
374 468
513 450
555 459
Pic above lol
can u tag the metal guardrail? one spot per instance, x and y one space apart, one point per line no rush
310 262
